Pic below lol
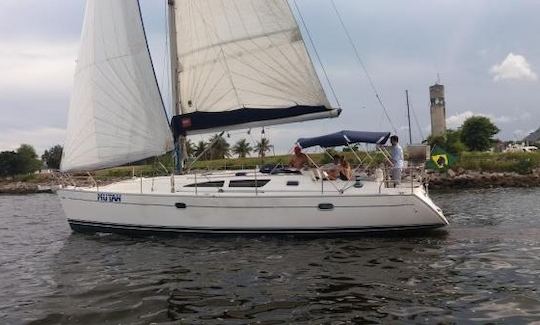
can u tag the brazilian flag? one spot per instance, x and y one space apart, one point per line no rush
440 159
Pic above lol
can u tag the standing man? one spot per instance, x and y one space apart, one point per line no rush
397 160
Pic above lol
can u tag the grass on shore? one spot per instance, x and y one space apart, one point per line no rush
522 163
517 162
156 169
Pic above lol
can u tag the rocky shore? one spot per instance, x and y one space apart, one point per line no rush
460 179
473 179
47 183
26 188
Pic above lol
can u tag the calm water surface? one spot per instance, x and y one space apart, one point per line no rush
483 268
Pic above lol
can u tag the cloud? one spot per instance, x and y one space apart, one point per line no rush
513 67
457 120
36 68
41 138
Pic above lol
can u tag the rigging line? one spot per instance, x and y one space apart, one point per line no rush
361 62
417 124
152 64
316 52
165 75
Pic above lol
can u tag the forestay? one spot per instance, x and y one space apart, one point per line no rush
242 62
116 114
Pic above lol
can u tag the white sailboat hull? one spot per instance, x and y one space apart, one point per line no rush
264 212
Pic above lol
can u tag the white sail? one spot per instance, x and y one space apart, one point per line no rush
243 54
116 114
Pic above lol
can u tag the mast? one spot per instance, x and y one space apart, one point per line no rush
409 116
179 142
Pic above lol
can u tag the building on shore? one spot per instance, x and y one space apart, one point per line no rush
437 110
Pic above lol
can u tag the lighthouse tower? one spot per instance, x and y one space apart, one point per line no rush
438 110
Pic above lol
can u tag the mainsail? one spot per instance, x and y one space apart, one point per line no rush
242 64
116 114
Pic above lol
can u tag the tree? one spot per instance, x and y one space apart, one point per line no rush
262 147
53 157
477 133
450 141
23 161
242 148
199 148
190 148
28 159
220 147
9 160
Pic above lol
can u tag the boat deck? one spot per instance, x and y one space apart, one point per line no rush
249 182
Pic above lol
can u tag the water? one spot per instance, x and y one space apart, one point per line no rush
483 268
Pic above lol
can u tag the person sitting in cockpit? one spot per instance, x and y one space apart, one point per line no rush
299 159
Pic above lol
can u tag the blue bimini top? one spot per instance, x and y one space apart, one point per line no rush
344 138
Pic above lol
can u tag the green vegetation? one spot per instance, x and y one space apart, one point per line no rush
21 162
155 168
220 148
262 147
242 148
52 157
450 141
518 162
477 133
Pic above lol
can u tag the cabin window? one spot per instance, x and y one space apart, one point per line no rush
293 183
207 184
249 183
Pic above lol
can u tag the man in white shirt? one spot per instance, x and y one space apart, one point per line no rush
397 160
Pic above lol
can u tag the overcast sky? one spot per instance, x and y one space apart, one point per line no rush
487 54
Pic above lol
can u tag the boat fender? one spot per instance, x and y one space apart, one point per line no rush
180 205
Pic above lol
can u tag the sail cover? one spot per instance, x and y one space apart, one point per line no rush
243 63
116 114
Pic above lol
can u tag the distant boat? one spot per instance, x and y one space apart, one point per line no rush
240 66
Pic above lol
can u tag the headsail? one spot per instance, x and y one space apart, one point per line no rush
243 63
116 114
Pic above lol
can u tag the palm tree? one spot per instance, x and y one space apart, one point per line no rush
220 147
263 147
190 148
242 148
199 148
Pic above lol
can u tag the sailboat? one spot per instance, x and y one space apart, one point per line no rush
235 65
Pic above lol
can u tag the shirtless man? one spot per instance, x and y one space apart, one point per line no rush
299 159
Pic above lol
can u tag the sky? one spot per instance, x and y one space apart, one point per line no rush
485 52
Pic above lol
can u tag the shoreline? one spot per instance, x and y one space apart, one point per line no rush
480 180
437 181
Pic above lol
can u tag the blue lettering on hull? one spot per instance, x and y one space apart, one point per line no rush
109 197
